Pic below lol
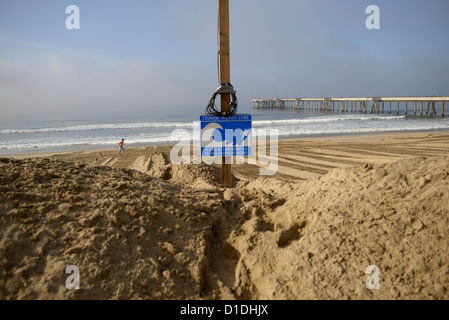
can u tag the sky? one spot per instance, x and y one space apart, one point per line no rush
161 55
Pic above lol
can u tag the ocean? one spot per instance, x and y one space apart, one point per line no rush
28 135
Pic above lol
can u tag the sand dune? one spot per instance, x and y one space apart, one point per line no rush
139 227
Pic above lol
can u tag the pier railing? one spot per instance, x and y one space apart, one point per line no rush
361 105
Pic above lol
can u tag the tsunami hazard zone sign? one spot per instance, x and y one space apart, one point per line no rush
226 136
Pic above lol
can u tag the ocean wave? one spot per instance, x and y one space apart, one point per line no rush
324 120
304 131
119 126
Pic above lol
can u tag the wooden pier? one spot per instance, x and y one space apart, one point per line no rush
413 105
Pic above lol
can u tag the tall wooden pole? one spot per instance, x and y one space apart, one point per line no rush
225 76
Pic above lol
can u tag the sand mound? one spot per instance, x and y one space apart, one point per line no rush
171 232
320 242
197 176
132 236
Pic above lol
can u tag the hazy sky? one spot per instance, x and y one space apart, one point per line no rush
162 54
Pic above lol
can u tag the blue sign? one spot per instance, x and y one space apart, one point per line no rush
226 136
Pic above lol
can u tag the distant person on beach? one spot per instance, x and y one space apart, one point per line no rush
120 146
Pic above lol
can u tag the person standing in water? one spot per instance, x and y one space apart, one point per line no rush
121 146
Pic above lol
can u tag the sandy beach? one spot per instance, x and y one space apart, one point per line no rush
140 227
